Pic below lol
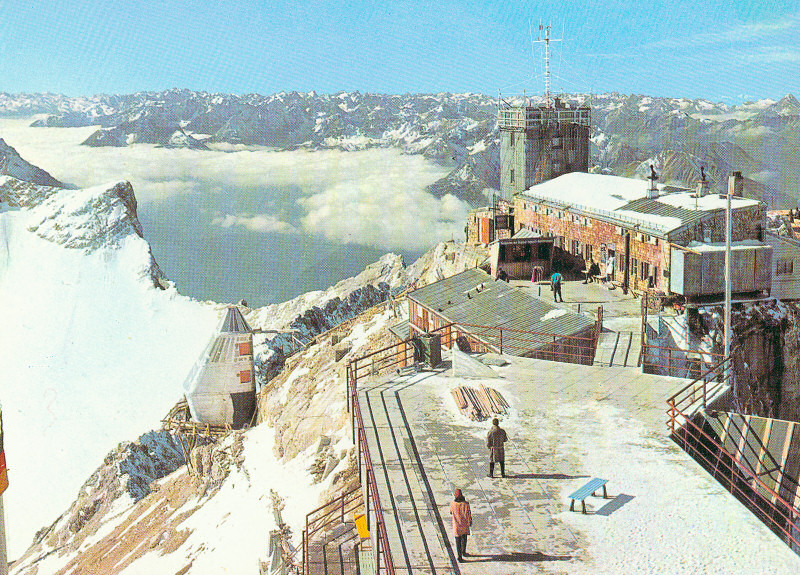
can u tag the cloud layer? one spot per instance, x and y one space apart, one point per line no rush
373 197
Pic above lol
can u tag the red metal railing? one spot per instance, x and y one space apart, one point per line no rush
773 510
330 513
381 546
675 359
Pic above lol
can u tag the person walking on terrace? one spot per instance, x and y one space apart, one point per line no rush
494 442
555 285
462 521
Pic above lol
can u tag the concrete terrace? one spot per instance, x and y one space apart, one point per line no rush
568 423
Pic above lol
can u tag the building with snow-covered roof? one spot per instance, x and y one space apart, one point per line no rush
628 225
220 389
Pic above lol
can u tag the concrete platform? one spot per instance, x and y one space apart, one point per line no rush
568 423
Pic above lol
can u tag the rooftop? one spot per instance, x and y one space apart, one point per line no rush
567 423
626 199
474 297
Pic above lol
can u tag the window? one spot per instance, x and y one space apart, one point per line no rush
512 172
634 265
784 266
587 252
511 140
575 248
645 269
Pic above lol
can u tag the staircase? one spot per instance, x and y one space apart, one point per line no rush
416 531
618 349
330 539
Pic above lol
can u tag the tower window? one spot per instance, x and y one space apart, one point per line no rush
512 174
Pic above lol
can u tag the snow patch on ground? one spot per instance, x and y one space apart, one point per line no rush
666 506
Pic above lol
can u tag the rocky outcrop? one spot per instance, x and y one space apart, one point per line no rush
766 352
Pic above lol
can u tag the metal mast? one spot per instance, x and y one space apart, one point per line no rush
546 41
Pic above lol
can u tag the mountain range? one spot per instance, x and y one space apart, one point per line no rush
678 135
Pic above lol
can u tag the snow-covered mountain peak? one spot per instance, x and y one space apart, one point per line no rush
90 218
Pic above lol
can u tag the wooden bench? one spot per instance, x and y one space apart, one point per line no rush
591 486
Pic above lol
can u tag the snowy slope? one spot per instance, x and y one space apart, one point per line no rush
92 351
12 164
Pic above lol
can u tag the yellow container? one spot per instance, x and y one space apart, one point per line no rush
361 525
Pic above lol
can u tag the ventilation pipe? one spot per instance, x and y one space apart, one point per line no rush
702 184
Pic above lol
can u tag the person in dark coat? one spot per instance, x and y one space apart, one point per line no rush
462 521
494 442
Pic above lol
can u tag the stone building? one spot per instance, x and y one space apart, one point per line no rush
630 224
490 223
538 143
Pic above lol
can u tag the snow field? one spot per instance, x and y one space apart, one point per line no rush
92 354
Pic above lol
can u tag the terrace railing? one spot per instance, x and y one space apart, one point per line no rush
683 407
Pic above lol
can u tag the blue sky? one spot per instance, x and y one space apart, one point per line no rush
722 50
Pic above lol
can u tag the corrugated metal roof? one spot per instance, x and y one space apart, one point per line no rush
400 330
495 304
654 207
526 233
234 322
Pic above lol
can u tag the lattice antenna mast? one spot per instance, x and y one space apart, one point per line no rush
546 40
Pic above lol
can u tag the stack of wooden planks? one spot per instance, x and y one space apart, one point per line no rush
479 404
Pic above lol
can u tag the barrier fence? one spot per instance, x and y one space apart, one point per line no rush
779 515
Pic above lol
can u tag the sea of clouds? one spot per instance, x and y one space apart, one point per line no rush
342 205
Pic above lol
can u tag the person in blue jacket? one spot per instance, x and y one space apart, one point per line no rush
555 285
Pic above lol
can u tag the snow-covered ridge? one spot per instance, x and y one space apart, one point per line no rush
12 164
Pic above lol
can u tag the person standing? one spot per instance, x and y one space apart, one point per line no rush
462 521
555 285
494 442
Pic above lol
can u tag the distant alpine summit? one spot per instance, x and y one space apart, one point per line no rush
759 138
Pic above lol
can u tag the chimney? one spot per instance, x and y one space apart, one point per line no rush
736 184
702 184
652 191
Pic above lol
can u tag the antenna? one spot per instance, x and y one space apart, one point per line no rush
546 41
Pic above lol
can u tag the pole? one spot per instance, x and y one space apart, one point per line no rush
3 553
731 185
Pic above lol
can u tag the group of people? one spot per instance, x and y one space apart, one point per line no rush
459 507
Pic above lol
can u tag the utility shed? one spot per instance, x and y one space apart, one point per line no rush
699 268
220 389
491 315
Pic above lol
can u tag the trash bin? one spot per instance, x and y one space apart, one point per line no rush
432 348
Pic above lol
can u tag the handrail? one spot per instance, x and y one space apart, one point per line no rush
790 514
382 541
680 412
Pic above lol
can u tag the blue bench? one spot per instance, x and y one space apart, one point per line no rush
591 486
